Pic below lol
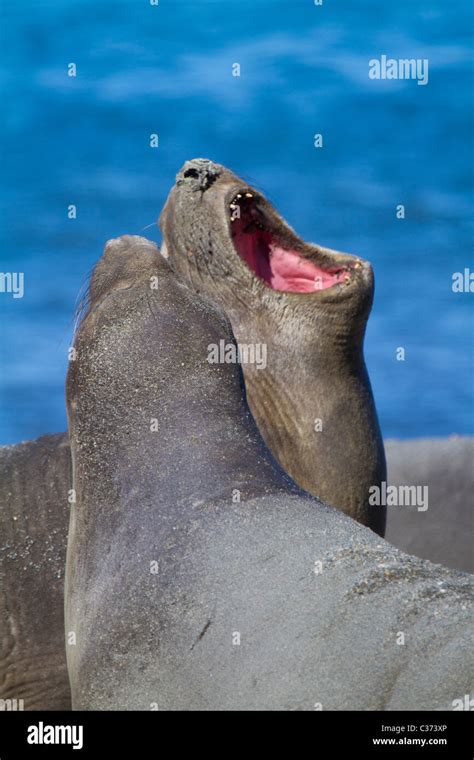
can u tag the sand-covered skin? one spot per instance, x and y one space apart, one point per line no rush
34 477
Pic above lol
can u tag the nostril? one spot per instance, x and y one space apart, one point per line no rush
201 171
191 173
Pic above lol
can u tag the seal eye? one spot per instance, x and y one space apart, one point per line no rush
191 173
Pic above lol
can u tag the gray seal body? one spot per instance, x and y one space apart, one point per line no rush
198 576
444 468
35 478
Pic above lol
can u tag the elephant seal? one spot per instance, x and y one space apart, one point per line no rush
444 532
198 576
35 481
308 307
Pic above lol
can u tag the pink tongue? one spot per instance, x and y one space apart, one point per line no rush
290 272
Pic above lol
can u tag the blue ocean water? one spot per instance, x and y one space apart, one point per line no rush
167 69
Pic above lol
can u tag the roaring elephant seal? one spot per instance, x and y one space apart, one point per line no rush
35 483
198 576
304 306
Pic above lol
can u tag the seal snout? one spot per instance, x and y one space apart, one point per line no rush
199 173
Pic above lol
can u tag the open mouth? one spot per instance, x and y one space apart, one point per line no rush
280 266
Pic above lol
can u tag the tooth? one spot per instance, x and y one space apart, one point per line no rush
248 195
358 264
347 278
238 195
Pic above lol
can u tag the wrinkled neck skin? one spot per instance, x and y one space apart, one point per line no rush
312 402
315 410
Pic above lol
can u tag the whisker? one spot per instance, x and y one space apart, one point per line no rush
153 224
